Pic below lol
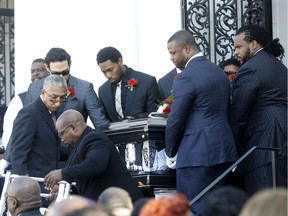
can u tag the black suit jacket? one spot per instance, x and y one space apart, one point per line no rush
95 165
35 146
165 84
258 113
142 100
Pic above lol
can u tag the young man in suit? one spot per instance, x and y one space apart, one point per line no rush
23 197
82 96
199 140
94 162
137 93
258 112
136 102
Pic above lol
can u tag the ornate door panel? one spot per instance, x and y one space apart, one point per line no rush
214 22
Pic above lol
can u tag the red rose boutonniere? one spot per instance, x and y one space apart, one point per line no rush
165 106
132 83
70 91
231 75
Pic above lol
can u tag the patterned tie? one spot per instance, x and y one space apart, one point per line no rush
53 115
118 104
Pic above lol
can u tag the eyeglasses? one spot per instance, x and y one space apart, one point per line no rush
54 100
63 131
63 73
230 72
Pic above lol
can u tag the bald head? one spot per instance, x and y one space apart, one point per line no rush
69 205
70 126
115 197
70 116
23 195
25 189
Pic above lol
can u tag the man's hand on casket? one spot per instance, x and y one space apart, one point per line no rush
171 162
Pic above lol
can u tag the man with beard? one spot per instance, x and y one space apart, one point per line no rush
258 112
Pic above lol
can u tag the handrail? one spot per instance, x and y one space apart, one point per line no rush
63 190
233 166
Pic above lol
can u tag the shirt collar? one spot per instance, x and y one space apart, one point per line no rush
258 51
194 56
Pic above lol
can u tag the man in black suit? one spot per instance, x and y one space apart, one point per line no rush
81 95
38 72
136 102
94 162
258 113
23 197
138 93
35 144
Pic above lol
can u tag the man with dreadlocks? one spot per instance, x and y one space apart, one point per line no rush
258 112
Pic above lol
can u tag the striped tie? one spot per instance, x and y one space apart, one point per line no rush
118 104
53 117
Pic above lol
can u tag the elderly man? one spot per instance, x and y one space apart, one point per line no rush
23 197
94 162
35 145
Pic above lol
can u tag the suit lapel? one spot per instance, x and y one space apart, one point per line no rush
130 96
109 102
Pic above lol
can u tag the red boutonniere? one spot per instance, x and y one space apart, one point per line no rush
132 83
231 75
165 106
70 91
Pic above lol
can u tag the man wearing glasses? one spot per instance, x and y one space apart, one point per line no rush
35 146
94 163
80 96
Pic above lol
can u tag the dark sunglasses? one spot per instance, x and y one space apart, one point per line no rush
230 72
63 73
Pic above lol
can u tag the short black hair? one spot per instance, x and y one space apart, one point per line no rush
56 55
230 61
224 201
183 38
39 60
108 53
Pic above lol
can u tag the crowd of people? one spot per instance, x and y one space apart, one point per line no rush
218 113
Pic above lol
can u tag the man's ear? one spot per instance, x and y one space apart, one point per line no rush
14 203
254 44
47 67
120 61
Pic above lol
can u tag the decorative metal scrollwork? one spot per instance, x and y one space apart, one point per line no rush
254 12
213 33
225 26
7 66
198 23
